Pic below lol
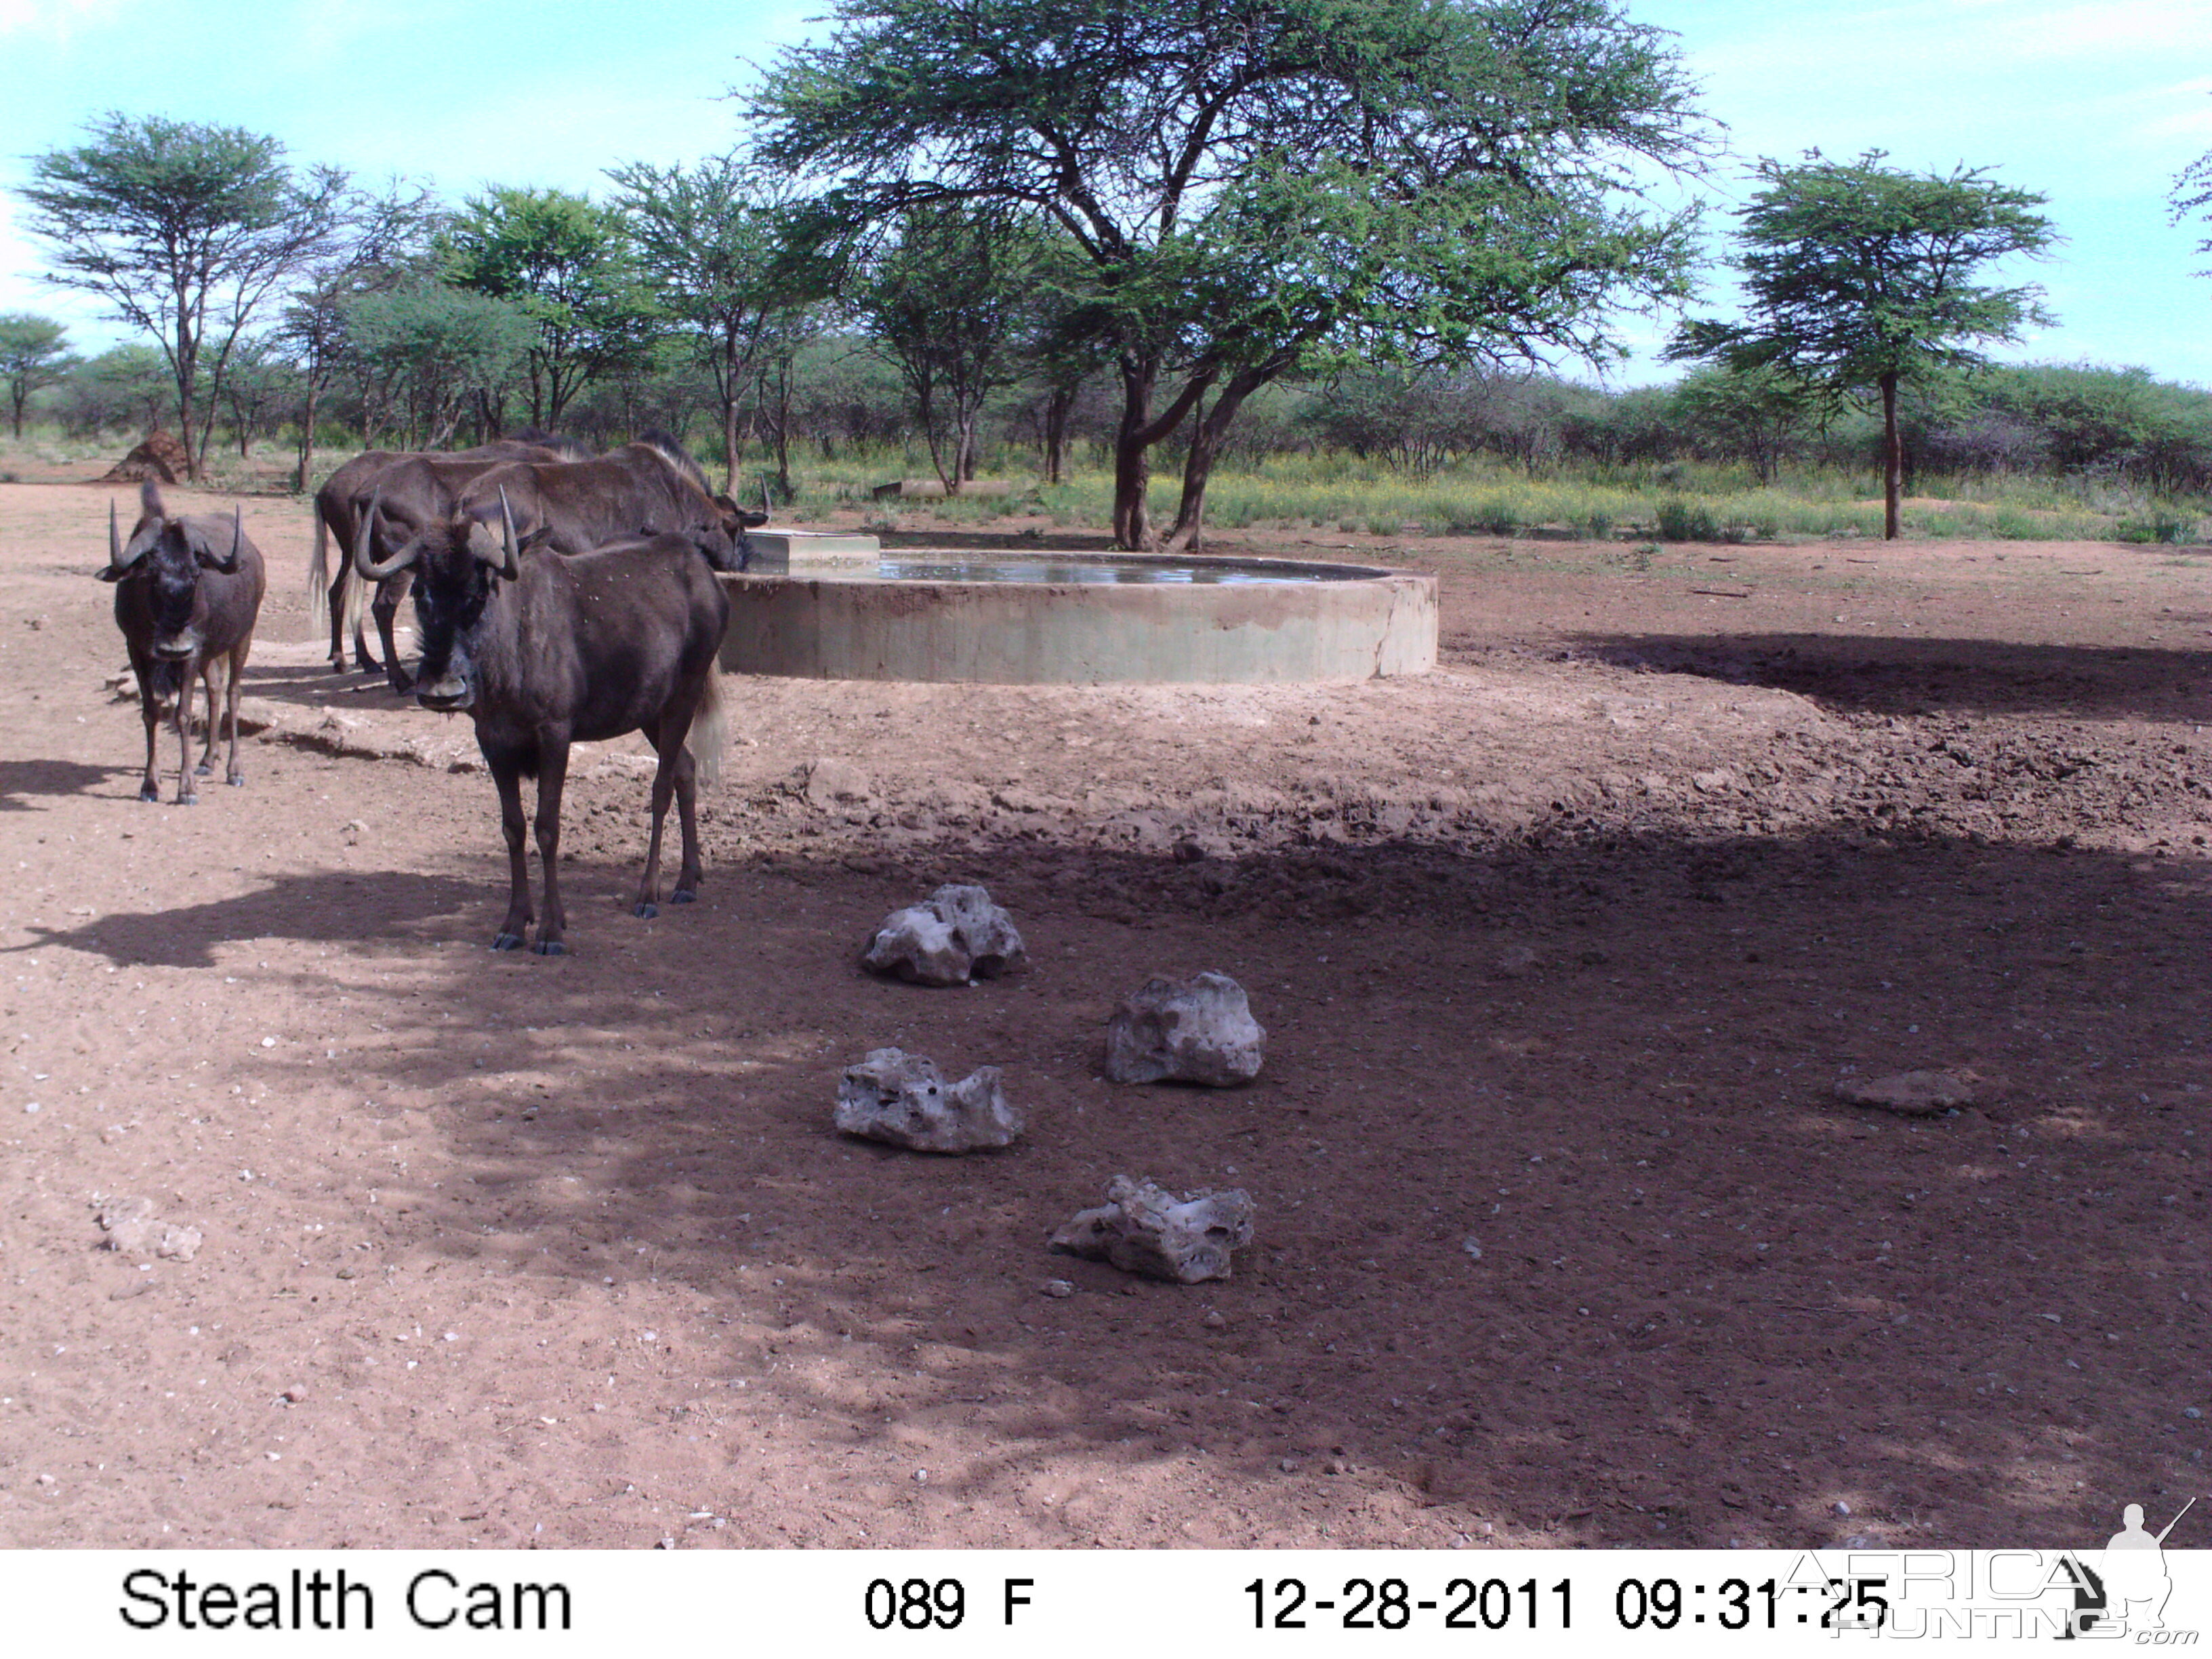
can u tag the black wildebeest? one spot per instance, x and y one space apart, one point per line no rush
543 650
649 488
427 495
187 594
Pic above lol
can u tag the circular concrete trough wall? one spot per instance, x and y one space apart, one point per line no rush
1067 619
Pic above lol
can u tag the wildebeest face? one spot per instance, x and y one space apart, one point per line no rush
456 568
453 590
168 555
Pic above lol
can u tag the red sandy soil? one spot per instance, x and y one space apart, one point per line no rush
1561 949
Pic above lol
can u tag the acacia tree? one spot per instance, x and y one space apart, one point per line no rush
184 229
379 240
568 262
33 353
1859 278
950 300
1260 185
717 246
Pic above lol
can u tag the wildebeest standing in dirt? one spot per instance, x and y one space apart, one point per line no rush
187 594
428 495
543 650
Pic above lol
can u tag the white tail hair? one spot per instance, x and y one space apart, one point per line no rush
318 578
710 732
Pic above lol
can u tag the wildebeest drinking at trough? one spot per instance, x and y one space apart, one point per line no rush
187 594
544 649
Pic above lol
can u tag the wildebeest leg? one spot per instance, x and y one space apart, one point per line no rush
664 786
208 668
687 819
339 586
149 787
234 774
188 672
387 606
507 775
552 774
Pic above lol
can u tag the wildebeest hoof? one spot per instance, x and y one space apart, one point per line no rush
646 912
235 780
551 947
508 942
192 799
203 770
149 793
682 896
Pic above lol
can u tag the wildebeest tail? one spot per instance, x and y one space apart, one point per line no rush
169 679
710 732
319 578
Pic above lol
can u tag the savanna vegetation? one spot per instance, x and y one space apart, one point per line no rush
1359 265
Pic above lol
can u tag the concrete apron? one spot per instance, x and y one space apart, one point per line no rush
1378 623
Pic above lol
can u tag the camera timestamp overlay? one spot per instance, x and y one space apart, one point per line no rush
2132 1593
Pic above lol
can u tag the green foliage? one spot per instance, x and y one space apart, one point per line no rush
185 229
950 299
126 385
569 264
423 349
34 354
1855 273
1258 187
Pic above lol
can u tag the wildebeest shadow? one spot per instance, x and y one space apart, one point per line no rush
1578 1238
1888 675
22 781
332 907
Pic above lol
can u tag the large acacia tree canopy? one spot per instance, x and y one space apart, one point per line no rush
1266 177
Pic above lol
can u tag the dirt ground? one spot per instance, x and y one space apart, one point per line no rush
1563 1237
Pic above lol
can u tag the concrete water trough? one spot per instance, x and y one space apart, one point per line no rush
1029 619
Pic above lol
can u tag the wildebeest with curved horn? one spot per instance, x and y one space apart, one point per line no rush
187 594
428 495
652 487
543 650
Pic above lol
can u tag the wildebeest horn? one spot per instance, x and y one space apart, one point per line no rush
121 556
507 564
364 538
227 565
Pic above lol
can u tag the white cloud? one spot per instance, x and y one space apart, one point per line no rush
58 20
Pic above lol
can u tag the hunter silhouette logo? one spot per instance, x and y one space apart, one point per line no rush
2127 1590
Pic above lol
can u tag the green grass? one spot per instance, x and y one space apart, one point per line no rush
1673 503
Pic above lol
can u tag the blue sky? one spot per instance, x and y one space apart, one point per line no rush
2095 103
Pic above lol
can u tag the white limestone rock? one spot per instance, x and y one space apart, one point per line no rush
132 1228
1144 1229
902 1098
955 935
1195 1030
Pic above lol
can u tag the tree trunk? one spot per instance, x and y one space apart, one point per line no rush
1892 461
1198 466
730 440
1059 407
1139 431
306 442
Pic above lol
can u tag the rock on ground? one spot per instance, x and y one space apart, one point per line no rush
1144 1229
953 936
1915 1094
1195 1030
903 1098
132 1228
